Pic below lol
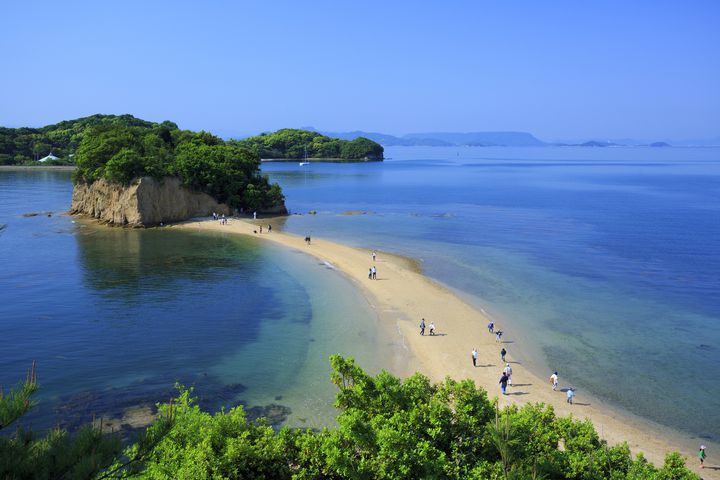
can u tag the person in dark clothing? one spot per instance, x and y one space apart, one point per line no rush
422 327
503 383
503 352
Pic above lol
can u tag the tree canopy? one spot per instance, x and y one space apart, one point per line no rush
25 145
204 162
291 143
388 428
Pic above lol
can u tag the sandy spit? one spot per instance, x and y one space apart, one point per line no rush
402 295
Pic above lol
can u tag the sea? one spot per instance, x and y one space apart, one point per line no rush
600 263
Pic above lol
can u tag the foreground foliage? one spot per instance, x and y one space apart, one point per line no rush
293 143
388 428
89 453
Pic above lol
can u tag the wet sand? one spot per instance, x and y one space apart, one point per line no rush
401 296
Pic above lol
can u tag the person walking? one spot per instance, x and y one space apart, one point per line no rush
508 371
260 228
570 395
474 357
491 326
269 228
373 255
370 273
432 328
254 215
422 327
374 273
702 455
503 383
554 380
503 352
498 336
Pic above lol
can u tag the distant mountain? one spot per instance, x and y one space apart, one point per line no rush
505 139
381 138
485 139
595 143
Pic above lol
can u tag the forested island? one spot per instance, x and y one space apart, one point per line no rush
135 172
25 145
150 173
289 143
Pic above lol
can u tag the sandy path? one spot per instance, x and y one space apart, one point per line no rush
403 296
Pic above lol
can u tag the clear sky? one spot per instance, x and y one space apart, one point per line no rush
558 69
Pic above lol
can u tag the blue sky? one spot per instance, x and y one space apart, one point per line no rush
560 69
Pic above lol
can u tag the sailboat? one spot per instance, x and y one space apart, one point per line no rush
305 162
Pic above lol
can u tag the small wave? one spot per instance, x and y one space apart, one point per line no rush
329 265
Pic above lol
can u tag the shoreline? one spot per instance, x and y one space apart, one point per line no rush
25 168
402 295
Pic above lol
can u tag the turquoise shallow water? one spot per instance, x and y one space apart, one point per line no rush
603 263
608 258
115 316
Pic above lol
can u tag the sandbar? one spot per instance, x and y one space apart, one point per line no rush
402 295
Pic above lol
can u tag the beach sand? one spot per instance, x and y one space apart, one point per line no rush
401 296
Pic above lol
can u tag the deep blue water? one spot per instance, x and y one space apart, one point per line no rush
114 317
609 257
600 263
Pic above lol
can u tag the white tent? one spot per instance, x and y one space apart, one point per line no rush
49 157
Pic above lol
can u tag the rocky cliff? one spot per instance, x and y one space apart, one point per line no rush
143 203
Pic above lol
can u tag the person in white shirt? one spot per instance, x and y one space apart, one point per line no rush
508 372
474 357
554 380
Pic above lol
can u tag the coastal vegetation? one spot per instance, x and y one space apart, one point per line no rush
121 148
388 428
293 144
24 146
204 162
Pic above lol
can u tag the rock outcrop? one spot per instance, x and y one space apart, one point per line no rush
143 203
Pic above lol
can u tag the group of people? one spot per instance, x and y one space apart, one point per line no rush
432 330
222 218
372 273
498 333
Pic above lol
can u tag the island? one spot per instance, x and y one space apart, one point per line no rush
153 173
295 144
56 144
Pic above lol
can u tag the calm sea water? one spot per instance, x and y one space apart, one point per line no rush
609 257
115 316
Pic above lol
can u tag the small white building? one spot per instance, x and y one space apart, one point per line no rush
49 157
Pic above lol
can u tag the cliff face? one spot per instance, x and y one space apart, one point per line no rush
143 203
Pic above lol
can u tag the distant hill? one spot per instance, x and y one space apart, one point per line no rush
509 139
505 139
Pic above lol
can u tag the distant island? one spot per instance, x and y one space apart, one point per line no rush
289 143
138 173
